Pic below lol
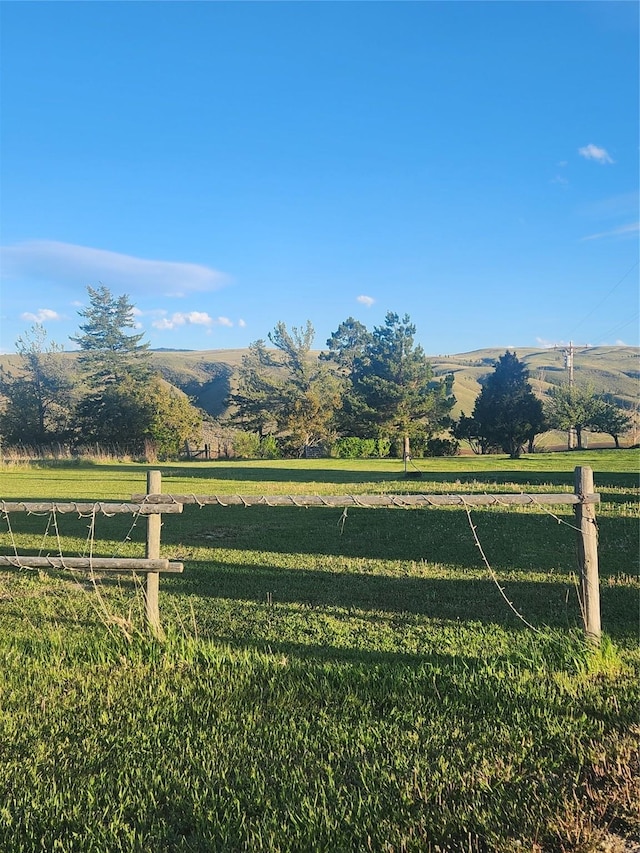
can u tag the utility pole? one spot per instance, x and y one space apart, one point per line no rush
568 353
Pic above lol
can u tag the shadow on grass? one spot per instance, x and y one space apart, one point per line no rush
550 604
344 472
477 599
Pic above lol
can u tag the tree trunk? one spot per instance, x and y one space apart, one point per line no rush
406 453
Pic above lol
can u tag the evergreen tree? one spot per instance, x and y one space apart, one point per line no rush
107 352
346 344
507 413
258 393
126 403
392 391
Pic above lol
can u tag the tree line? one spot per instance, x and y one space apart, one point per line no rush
370 392
112 397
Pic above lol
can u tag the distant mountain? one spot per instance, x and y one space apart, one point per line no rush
208 375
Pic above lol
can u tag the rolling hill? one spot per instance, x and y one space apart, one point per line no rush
208 375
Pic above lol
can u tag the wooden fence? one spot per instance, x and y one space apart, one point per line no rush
151 566
153 503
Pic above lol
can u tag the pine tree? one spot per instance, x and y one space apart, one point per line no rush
392 390
286 391
507 413
107 352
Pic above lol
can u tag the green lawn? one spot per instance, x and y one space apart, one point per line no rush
329 682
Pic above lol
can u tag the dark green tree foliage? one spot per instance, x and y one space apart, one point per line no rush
467 429
107 352
138 414
309 391
38 397
392 392
346 344
259 391
507 414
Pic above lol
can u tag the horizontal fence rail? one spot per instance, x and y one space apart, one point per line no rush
583 500
102 564
101 507
372 501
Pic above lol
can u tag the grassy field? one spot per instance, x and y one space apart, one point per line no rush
329 681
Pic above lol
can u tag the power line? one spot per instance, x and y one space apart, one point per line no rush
617 328
604 298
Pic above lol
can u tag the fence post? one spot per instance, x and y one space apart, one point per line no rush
588 553
154 526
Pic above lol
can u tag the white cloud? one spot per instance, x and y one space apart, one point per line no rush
622 231
65 263
366 300
190 318
241 323
593 152
42 316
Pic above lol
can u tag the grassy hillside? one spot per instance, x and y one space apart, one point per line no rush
208 375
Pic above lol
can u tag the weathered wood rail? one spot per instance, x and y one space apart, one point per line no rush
102 564
372 501
87 509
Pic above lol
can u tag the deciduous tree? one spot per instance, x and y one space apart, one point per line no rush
573 407
38 395
612 420
287 391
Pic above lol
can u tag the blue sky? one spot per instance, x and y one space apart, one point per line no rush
232 164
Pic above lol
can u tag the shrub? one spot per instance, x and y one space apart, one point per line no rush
442 447
269 448
246 445
352 447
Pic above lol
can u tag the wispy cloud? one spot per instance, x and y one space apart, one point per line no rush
190 318
366 300
622 231
594 152
42 315
66 263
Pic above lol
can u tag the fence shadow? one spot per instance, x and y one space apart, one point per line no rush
552 604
